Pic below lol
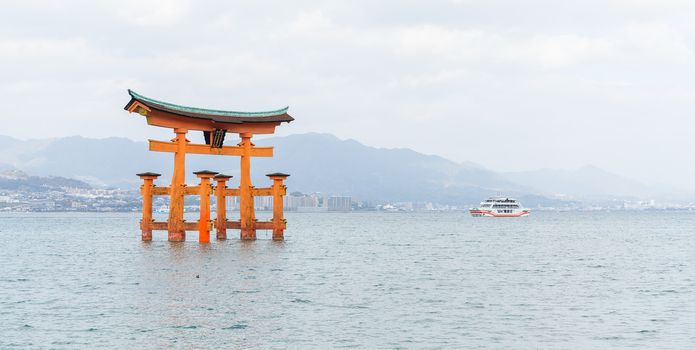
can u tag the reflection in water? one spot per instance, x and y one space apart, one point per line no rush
365 280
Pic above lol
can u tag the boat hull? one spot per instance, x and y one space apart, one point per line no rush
489 213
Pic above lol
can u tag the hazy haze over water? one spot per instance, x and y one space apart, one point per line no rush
366 280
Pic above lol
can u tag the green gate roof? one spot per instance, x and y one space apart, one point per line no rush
235 117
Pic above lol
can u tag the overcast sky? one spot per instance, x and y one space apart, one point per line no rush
512 85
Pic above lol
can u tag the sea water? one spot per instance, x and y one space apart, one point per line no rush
591 280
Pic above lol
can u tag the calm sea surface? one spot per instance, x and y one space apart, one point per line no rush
353 280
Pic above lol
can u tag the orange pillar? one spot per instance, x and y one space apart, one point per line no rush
247 215
146 191
279 191
221 219
177 231
205 191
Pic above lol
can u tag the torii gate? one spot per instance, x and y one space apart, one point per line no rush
214 124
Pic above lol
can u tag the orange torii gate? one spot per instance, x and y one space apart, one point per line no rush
215 124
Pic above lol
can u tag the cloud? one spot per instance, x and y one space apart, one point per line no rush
439 76
311 22
437 40
15 48
657 41
152 13
558 51
466 45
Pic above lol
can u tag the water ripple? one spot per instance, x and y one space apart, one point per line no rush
358 280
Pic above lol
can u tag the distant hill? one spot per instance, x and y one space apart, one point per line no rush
317 163
6 142
16 180
587 181
322 162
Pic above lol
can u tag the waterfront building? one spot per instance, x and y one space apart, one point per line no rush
339 203
298 200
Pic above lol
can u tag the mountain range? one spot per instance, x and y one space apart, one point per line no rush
16 180
320 163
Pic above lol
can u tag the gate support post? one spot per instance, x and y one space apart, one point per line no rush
146 191
279 190
247 214
177 230
221 219
204 192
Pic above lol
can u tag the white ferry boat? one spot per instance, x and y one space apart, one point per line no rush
500 207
